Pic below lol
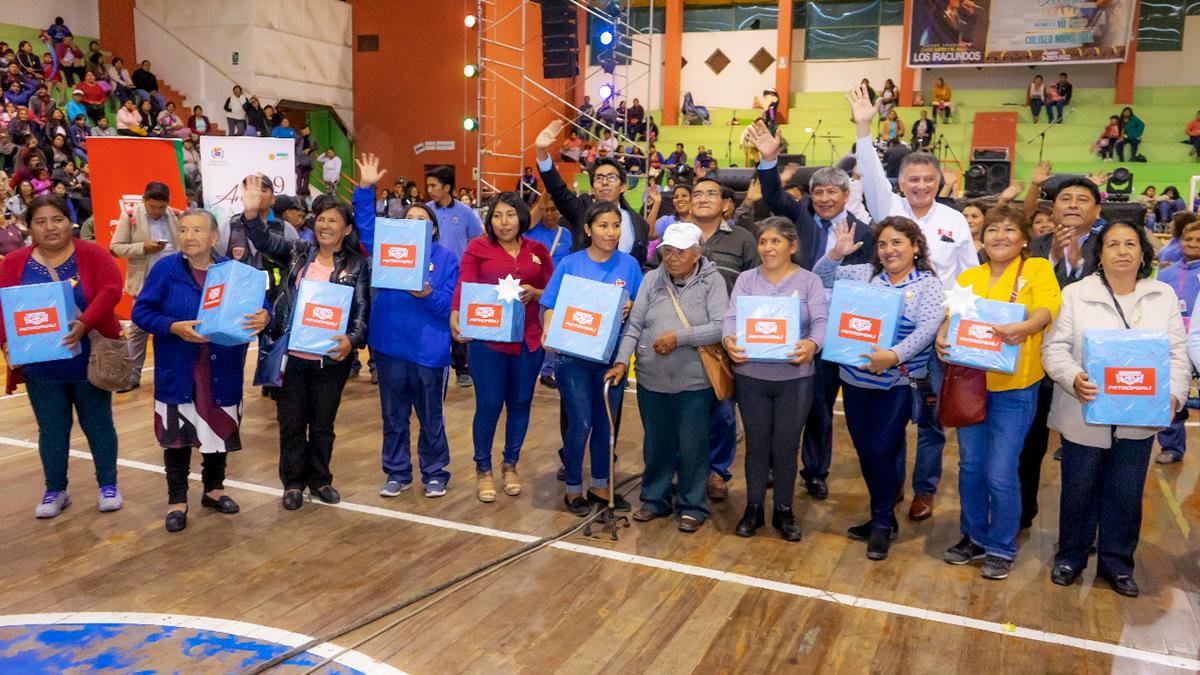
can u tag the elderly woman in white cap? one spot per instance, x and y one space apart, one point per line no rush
679 308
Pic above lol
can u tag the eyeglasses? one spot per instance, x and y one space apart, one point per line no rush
711 194
607 178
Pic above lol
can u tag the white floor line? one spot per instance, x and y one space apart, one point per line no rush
351 659
896 609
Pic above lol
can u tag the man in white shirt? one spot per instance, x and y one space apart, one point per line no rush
951 251
331 169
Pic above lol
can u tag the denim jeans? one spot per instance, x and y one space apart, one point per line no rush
676 442
931 442
580 388
1174 437
52 403
1035 106
548 364
722 432
1053 106
1133 144
236 127
876 419
502 381
1102 490
403 386
989 486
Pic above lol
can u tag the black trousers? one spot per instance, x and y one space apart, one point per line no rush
1029 468
458 358
773 413
178 463
1102 490
817 448
307 407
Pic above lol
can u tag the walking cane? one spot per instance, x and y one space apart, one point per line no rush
608 516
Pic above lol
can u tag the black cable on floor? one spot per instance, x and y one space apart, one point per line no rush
461 579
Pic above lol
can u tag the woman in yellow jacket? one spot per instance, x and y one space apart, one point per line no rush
988 483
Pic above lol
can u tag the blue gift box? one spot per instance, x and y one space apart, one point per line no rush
400 258
36 318
972 342
322 311
231 291
1132 368
483 316
587 318
768 328
862 317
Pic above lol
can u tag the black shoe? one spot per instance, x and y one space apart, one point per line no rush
1058 452
1064 575
963 552
176 521
224 504
327 494
878 542
899 498
577 505
562 474
126 391
355 369
1121 583
548 381
995 567
293 499
817 488
785 521
863 532
619 501
751 520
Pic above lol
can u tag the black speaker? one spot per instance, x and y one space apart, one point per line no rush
784 160
987 177
560 40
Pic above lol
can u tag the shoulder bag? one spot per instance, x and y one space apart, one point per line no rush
713 358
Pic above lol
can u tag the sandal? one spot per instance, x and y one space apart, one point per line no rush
485 487
512 481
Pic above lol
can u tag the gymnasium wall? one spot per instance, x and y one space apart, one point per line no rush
81 16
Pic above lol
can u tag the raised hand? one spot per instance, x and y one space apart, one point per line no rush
844 243
1041 174
788 171
1011 192
369 174
766 142
862 111
547 138
252 199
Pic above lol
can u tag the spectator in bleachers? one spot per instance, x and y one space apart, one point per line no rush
1060 97
677 157
41 104
572 149
702 157
94 96
891 127
651 129
283 129
1132 128
636 119
102 128
256 118
71 60
235 111
1106 145
274 117
172 124
121 80
922 131
75 106
145 85
331 168
129 121
887 98
1035 98
870 91
18 94
30 63
1193 134
584 122
1168 204
198 124
58 31
941 100
306 150
52 76
22 127
95 61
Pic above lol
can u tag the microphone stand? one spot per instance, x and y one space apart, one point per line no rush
812 140
729 145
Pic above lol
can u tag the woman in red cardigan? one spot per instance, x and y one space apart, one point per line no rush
55 387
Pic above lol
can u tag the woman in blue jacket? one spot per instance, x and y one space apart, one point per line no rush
197 385
408 334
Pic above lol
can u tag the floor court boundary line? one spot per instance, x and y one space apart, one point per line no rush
797 590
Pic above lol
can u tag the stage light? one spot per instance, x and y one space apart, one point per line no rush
606 38
469 21
469 124
808 130
470 70
606 92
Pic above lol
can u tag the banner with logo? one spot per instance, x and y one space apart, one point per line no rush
226 160
120 169
1018 32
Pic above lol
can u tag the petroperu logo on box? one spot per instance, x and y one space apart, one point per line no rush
322 316
213 297
36 321
854 327
581 321
766 331
1129 381
398 255
977 335
484 316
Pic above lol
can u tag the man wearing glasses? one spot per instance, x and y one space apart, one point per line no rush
608 184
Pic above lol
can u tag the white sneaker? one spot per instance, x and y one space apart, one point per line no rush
109 499
393 488
52 504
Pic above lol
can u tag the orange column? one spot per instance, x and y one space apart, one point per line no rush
1125 71
580 81
672 62
783 57
907 75
116 30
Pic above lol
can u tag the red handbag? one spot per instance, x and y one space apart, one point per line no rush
963 397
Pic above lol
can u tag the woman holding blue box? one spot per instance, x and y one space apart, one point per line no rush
775 397
505 372
877 397
197 384
1103 466
408 335
311 393
55 387
988 483
581 382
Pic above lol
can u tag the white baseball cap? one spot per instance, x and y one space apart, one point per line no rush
681 236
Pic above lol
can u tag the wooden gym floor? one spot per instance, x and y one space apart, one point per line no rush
656 601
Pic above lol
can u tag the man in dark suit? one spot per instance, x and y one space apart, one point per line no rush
608 184
1070 248
814 215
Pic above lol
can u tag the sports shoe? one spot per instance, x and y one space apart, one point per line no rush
393 488
53 503
109 499
435 488
464 380
1168 457
995 567
963 552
